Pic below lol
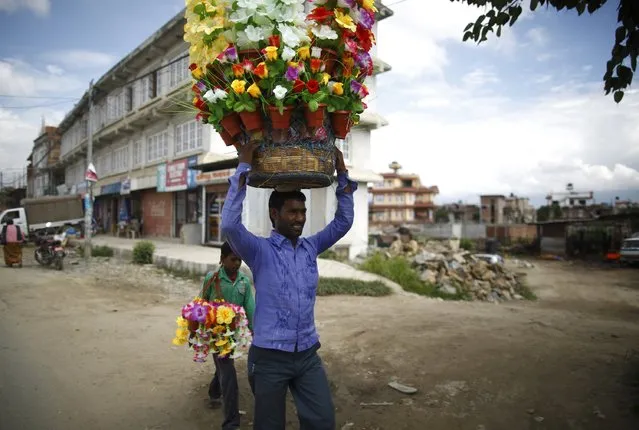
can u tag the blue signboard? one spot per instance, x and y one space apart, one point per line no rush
113 188
192 174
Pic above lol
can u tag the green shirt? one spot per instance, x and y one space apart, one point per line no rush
239 292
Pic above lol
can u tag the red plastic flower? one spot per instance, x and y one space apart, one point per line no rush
274 40
319 14
261 71
201 105
238 70
316 65
366 38
248 65
193 66
298 86
312 86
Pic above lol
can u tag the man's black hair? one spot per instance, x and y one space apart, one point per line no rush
226 250
278 198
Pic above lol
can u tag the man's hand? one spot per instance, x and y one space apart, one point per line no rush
340 166
246 151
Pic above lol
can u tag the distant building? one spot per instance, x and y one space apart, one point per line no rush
574 205
45 174
501 209
459 212
401 199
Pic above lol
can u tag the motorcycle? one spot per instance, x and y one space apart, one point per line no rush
50 248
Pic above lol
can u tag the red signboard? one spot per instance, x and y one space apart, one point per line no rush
177 175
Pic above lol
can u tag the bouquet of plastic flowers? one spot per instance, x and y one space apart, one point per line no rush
215 327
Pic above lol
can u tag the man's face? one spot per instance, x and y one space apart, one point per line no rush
290 220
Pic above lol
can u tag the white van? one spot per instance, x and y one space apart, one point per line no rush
629 253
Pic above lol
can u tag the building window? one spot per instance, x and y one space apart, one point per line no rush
138 153
345 145
379 198
157 146
178 71
188 137
121 159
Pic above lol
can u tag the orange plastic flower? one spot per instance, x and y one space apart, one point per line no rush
238 70
261 71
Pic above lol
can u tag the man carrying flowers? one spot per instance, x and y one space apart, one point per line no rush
234 287
285 342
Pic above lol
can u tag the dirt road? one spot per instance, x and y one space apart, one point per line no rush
93 351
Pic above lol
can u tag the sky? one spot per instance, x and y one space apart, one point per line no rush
523 114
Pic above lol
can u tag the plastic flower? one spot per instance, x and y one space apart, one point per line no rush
254 91
196 71
304 52
325 32
261 71
298 86
316 65
274 40
181 322
292 73
271 53
312 86
288 54
369 5
346 3
279 92
320 14
248 65
359 89
239 87
255 34
218 329
221 342
325 78
316 52
345 21
231 53
238 70
366 19
337 88
225 314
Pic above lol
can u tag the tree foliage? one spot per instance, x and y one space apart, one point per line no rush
623 58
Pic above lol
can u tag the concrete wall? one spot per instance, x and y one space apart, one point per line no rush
553 245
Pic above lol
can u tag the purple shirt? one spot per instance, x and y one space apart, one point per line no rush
285 277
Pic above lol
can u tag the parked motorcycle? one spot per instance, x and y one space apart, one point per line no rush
50 248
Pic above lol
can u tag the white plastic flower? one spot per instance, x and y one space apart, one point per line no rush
251 5
288 54
209 96
254 34
289 36
220 94
324 32
279 92
316 52
240 16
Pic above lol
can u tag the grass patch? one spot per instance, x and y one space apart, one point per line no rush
143 252
399 270
329 254
351 287
524 290
183 273
96 251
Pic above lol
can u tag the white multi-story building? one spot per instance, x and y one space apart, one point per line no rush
145 138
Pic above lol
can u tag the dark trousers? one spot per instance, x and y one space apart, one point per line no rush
224 384
272 373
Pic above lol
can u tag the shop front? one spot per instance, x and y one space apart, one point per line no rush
108 203
177 178
214 189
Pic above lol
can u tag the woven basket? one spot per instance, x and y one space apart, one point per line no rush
295 158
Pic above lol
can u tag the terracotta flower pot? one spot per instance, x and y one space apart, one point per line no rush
231 123
252 120
341 123
280 121
314 119
227 138
249 54
330 59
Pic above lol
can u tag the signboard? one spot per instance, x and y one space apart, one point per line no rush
161 178
113 188
126 186
91 174
177 174
192 175
216 177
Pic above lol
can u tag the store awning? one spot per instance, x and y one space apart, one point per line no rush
211 162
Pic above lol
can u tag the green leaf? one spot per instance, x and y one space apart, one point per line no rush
581 7
633 61
238 106
624 73
467 36
515 11
498 31
468 27
534 4
618 96
313 105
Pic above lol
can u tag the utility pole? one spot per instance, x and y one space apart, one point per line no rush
88 215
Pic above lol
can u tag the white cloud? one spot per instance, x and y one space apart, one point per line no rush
467 133
54 70
39 7
78 59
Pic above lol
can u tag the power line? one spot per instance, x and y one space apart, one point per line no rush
37 106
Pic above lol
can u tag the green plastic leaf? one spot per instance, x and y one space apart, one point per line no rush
313 105
618 96
534 4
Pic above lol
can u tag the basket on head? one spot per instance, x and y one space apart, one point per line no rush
298 157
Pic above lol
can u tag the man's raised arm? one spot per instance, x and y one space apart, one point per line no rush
243 242
344 214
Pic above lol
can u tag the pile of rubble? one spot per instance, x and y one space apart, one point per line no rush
475 276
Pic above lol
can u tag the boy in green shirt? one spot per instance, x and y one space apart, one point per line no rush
236 288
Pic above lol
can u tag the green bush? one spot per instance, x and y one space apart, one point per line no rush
143 252
399 270
330 254
351 287
101 251
467 244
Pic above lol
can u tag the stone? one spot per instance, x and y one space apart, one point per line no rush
447 289
429 276
405 389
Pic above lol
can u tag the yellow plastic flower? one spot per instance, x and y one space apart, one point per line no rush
304 52
179 341
254 90
182 332
221 342
325 78
338 88
210 317
239 87
271 53
345 21
226 351
197 73
181 322
293 64
219 329
225 315
369 5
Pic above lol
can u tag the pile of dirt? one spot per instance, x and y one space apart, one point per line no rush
475 276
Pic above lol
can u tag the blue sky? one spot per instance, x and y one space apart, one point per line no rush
524 113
